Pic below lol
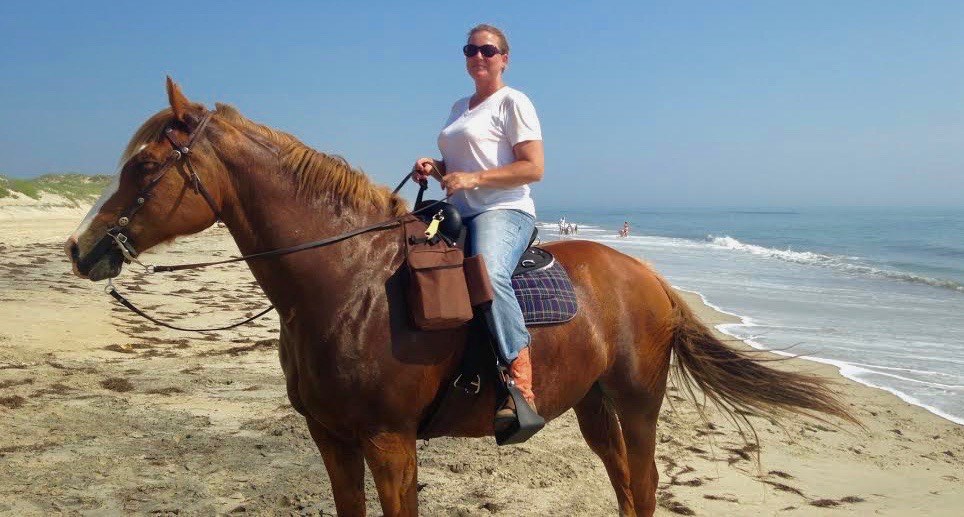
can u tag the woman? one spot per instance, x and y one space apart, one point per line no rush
491 151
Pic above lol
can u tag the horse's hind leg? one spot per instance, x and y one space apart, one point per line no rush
638 422
600 428
346 469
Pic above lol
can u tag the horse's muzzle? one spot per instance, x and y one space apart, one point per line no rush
102 262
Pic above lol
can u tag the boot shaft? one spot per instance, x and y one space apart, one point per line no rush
521 372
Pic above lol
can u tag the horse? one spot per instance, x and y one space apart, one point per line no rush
357 370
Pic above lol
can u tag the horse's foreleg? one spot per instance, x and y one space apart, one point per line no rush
346 469
639 434
391 458
600 428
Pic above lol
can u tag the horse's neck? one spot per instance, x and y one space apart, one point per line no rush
266 214
272 217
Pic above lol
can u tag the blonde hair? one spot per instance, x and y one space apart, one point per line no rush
484 27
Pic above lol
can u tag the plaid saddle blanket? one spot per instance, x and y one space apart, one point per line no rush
545 295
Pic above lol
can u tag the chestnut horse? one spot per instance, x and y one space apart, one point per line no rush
357 370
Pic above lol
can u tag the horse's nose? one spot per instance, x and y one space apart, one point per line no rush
70 247
73 253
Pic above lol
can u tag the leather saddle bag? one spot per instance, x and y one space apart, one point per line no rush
438 298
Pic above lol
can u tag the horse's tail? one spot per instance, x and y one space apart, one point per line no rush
739 383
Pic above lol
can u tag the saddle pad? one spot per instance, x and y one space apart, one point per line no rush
545 295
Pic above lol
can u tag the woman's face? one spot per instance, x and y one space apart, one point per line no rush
483 68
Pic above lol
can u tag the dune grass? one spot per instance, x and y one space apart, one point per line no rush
75 187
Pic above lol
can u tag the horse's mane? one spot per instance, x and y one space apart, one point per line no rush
316 175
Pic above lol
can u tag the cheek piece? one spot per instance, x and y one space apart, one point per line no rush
118 234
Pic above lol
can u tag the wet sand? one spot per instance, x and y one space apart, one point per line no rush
103 413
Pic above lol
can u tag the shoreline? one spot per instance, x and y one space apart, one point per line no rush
839 366
896 439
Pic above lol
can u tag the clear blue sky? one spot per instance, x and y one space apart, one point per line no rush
766 103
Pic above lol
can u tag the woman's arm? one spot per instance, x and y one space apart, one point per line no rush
528 167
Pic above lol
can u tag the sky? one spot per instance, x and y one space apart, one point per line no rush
642 104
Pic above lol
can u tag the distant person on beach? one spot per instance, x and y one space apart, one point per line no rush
624 231
491 151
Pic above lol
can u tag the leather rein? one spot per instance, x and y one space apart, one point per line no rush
117 234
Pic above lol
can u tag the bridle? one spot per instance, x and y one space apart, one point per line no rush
117 233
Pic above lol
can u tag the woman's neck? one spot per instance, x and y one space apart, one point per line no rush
485 90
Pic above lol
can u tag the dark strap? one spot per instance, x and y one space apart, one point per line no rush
384 225
457 396
200 189
422 187
120 298
185 151
284 251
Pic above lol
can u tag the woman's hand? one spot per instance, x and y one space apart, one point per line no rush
456 181
425 168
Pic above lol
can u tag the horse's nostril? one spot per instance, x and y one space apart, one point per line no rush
74 250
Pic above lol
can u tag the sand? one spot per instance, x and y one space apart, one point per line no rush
103 413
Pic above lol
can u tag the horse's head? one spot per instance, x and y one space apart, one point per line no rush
167 185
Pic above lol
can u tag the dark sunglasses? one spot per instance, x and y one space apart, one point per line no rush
486 50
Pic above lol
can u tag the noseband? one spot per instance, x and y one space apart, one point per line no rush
117 233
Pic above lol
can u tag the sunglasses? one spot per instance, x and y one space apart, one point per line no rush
486 50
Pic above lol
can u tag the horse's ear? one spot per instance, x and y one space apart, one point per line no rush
179 102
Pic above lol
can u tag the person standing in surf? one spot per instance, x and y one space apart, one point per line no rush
492 150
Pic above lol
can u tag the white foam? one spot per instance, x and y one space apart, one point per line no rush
908 379
847 370
840 263
851 373
911 370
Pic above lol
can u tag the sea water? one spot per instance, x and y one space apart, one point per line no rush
879 293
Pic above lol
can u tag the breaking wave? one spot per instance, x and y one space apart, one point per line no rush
840 263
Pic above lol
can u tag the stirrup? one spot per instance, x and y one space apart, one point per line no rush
505 414
525 423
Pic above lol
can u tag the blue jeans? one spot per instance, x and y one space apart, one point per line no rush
501 236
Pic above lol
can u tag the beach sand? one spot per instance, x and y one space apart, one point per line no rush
103 413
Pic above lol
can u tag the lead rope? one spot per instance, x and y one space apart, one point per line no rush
151 269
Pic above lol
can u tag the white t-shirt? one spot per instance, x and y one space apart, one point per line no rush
482 138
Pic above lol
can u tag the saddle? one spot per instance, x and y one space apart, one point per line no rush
541 284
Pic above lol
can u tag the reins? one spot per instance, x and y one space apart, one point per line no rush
116 234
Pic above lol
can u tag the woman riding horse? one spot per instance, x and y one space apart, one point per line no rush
491 150
363 377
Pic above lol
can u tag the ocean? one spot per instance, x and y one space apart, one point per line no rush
879 293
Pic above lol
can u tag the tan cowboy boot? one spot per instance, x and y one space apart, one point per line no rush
521 373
